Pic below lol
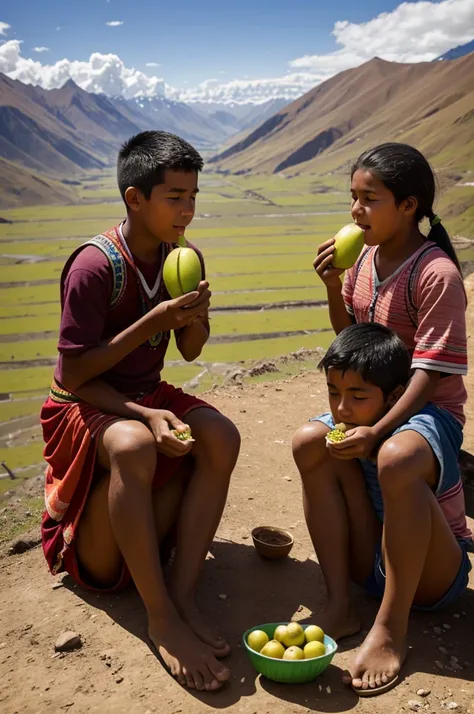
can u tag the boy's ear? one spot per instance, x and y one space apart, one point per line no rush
394 396
133 198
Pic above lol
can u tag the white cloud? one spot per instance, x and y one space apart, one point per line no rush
105 74
4 26
40 49
412 32
152 64
114 23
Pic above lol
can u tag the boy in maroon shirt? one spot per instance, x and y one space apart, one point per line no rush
119 482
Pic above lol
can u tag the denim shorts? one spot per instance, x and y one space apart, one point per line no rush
444 435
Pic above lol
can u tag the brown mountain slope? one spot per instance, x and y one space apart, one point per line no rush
430 104
95 119
22 187
38 134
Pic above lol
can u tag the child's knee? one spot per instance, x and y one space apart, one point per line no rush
216 436
131 443
399 466
309 445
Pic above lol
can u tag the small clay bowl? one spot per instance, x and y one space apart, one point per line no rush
272 543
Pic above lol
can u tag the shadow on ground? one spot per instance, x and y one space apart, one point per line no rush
239 590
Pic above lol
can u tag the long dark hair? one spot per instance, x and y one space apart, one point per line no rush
406 172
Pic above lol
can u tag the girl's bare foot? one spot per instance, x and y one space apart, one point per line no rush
379 659
188 659
191 615
339 621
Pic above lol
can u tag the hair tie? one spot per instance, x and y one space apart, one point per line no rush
434 220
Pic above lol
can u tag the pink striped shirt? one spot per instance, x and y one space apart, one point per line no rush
424 302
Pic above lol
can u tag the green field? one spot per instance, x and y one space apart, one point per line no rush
259 236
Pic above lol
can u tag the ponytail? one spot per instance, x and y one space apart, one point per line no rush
439 235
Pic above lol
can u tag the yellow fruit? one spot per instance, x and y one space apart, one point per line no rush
314 649
182 271
347 246
293 653
280 633
183 435
273 649
294 635
313 633
257 639
335 435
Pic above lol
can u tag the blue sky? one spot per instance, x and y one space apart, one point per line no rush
190 40
258 48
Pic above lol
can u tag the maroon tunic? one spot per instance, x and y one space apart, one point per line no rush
87 319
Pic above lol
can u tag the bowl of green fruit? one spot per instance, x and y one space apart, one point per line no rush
289 652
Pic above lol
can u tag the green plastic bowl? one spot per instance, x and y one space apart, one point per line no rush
289 671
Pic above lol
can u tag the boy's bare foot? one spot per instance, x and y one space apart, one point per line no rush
188 659
191 615
378 661
339 621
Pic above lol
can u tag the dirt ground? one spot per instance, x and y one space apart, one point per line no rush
116 672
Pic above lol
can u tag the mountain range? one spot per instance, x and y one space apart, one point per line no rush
428 104
62 132
49 135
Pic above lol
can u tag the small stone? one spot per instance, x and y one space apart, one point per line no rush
467 664
457 615
453 659
443 650
426 632
119 680
68 641
222 596
447 627
245 537
242 680
437 630
452 705
320 687
456 667
439 665
287 478
328 689
423 692
414 705
22 545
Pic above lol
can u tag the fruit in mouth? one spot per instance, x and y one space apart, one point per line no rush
338 433
348 243
182 271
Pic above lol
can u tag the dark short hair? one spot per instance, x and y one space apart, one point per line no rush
374 352
143 160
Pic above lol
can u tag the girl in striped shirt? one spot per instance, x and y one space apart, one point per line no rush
400 528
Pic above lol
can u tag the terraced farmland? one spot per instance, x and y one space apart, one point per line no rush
259 238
